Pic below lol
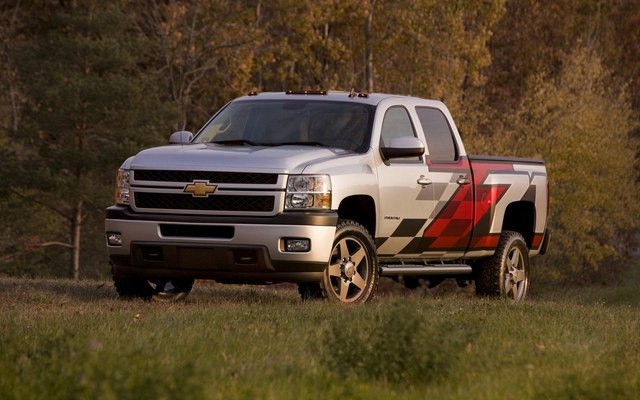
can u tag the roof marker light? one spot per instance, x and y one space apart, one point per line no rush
320 92
353 93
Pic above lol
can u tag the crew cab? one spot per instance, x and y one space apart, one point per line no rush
330 190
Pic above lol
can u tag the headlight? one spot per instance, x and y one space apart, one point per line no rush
122 186
308 192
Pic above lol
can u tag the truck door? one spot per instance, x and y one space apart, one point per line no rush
405 203
451 221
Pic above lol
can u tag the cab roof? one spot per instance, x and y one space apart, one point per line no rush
321 95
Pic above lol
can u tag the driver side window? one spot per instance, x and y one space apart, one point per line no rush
397 123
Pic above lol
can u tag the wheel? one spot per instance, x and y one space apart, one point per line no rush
506 273
352 273
159 290
309 290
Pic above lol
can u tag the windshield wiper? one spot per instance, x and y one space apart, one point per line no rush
236 142
300 144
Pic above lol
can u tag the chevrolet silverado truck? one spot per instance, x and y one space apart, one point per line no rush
330 190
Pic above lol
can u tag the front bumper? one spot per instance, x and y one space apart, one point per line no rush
226 249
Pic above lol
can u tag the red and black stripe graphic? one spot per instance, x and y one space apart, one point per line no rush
464 220
451 228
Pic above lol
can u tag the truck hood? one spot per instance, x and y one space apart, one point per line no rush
212 157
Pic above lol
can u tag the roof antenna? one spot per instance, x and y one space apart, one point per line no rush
352 93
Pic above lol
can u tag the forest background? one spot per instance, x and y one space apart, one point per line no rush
86 84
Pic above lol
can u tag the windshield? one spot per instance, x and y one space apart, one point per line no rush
279 122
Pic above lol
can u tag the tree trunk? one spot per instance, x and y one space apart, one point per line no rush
76 226
368 42
10 36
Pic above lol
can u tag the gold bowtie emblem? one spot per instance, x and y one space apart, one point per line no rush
200 189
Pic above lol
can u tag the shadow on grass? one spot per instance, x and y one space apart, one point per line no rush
27 290
50 291
56 291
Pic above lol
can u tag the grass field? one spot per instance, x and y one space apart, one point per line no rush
65 339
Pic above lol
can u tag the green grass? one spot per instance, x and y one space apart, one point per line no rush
65 339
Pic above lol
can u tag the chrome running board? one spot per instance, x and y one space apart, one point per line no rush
435 269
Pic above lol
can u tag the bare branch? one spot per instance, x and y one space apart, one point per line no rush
46 244
9 257
50 207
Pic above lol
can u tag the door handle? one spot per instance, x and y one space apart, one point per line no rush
463 180
424 181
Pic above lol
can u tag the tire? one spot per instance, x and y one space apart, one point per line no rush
158 290
506 273
309 290
352 274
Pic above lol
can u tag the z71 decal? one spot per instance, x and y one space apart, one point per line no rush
464 221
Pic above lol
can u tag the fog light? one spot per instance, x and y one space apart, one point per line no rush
114 238
297 245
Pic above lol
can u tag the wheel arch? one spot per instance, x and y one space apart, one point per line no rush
520 216
361 209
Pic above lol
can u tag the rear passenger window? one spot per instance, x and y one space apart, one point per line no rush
438 134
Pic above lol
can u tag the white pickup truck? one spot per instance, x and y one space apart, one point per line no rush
330 190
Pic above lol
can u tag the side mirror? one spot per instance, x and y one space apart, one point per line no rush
403 146
180 137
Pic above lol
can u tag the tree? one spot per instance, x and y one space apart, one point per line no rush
90 104
624 46
438 50
581 128
533 38
311 45
10 21
368 44
204 53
